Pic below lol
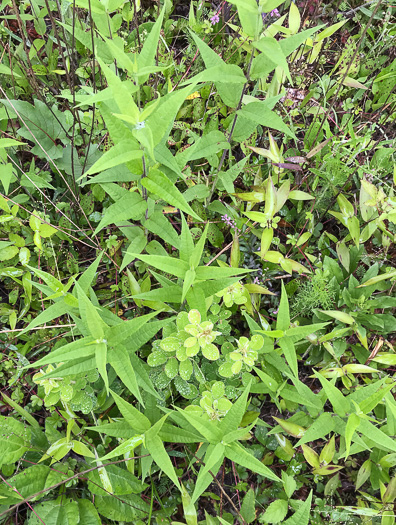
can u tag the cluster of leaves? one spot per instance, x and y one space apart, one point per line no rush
197 236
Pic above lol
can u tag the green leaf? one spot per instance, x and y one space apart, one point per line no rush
161 120
166 264
276 511
186 241
82 449
47 127
271 48
101 362
290 353
78 366
340 403
248 508
235 452
207 428
119 154
35 479
215 272
157 451
121 481
90 315
50 280
14 440
169 294
227 73
121 93
375 280
298 195
213 459
322 426
283 318
340 316
233 418
119 360
77 349
130 508
260 114
55 512
250 16
136 419
158 183
52 312
21 411
87 512
146 57
119 333
374 434
352 424
158 224
188 281
301 517
129 206
190 514
127 446
85 280
196 253
120 429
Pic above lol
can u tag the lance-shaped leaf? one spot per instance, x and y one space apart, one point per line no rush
129 206
378 278
101 362
233 418
340 403
208 429
118 154
259 113
119 333
377 436
132 415
157 451
166 264
121 95
52 312
90 315
125 447
119 360
283 318
301 517
290 353
291 428
158 183
271 48
340 316
148 52
216 272
311 456
74 350
237 453
212 461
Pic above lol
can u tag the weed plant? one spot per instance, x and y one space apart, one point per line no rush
197 262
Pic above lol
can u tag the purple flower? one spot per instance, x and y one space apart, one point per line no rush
228 221
215 19
256 280
274 12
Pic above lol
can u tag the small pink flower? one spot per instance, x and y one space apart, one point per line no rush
215 19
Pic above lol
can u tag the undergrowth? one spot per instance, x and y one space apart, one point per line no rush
197 246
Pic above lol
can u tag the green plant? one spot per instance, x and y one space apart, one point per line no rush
197 228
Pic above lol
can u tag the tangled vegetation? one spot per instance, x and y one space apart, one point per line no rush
197 261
